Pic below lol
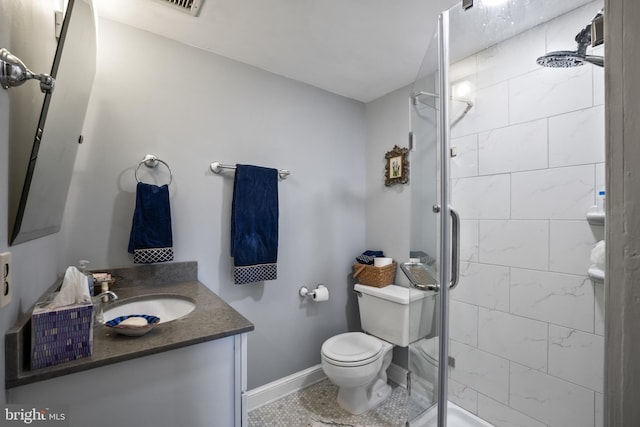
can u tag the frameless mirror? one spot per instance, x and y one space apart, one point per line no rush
42 157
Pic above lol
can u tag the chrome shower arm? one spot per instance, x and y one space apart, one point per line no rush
13 73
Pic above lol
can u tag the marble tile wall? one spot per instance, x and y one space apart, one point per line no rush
526 321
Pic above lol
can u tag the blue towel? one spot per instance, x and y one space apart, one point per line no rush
368 256
151 239
254 224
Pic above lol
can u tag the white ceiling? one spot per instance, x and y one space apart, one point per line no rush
361 49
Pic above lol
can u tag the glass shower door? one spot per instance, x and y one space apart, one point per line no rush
525 112
430 220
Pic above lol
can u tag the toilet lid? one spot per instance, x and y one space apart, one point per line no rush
352 347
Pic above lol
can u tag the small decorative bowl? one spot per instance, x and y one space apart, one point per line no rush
132 330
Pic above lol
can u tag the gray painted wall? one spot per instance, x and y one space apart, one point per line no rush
34 264
388 213
191 108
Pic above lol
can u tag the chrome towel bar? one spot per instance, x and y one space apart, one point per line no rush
217 167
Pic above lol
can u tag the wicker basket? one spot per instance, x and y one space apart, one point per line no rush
378 277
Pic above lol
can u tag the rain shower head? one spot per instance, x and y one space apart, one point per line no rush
568 59
561 59
573 58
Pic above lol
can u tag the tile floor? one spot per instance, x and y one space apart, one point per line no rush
316 406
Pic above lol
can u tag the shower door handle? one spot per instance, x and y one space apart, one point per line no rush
420 276
455 248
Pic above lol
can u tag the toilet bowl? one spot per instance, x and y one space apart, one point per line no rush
357 363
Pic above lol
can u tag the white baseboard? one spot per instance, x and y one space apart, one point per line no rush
279 388
274 390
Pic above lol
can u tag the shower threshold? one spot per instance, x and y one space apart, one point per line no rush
456 417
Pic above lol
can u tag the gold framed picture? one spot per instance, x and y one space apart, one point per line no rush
397 166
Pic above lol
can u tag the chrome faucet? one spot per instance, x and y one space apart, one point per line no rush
107 296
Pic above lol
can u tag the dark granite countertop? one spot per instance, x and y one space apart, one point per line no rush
211 319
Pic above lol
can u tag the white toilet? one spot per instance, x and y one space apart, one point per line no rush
357 362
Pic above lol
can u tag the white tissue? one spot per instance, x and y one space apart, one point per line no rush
597 255
320 293
74 290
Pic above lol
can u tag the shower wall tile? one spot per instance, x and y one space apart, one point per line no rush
563 299
484 372
490 111
577 138
511 58
598 326
598 79
465 163
464 323
515 243
600 178
560 193
464 70
514 337
463 396
468 240
503 416
549 399
570 246
513 148
483 285
548 92
577 357
483 197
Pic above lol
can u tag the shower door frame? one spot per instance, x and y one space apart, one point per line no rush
448 252
446 216
445 221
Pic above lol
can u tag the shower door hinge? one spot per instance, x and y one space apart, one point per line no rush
467 4
452 362
58 17
412 141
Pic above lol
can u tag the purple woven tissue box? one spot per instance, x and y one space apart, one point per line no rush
61 335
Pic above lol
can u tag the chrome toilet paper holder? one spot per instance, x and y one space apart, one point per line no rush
305 292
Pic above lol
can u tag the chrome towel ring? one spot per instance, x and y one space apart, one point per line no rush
151 161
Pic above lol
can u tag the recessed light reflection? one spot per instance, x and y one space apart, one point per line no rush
462 89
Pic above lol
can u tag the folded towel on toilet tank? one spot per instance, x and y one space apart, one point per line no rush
368 256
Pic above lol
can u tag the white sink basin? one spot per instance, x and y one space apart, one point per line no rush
166 307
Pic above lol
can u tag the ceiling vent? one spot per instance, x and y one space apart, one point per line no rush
191 7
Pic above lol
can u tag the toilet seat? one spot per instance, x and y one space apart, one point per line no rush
352 349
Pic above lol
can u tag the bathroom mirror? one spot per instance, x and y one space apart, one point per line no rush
42 157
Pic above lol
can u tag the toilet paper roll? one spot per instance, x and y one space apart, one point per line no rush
321 294
381 261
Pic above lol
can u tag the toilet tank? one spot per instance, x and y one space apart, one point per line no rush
396 314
